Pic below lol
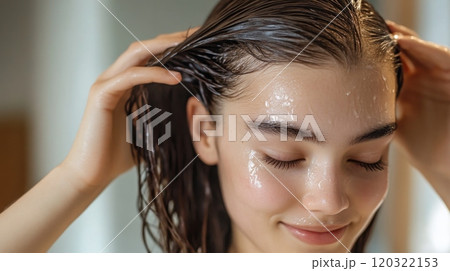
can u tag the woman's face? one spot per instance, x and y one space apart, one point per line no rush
277 186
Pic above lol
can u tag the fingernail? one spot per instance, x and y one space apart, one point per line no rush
176 74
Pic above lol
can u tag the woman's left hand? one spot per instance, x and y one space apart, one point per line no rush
424 103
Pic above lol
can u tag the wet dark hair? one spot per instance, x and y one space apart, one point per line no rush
238 37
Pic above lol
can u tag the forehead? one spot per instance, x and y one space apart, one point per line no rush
358 98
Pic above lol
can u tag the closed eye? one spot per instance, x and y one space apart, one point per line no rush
380 165
279 164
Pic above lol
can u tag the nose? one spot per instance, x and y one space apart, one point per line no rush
325 193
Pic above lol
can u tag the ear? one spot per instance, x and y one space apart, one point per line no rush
204 144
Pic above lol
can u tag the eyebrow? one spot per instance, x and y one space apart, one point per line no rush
275 128
382 131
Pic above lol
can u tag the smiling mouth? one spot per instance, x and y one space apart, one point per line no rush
317 235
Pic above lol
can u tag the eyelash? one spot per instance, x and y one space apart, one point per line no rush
377 166
285 165
281 164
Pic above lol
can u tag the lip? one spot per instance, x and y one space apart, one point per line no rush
317 235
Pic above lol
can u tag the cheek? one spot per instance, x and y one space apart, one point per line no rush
248 186
368 194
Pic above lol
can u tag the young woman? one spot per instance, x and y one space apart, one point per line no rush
329 71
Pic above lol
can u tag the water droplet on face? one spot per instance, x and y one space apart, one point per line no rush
253 168
385 82
348 93
302 221
310 177
280 97
355 114
320 185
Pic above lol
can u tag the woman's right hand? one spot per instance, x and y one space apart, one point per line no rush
100 152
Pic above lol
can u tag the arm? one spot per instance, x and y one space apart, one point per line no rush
37 219
99 153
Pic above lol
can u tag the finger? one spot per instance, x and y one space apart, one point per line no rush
191 31
119 84
407 63
425 54
139 52
394 27
188 32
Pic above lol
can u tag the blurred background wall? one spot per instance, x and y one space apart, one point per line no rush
52 51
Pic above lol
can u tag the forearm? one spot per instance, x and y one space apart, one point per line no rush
35 221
